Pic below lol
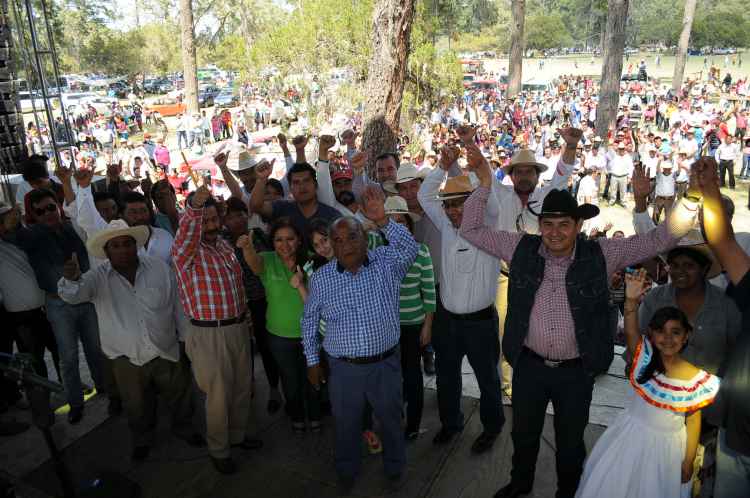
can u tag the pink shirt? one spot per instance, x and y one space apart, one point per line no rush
161 154
551 328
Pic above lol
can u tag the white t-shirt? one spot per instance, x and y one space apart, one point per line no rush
587 188
665 185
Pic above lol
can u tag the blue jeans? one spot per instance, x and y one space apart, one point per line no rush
182 137
745 171
732 471
69 324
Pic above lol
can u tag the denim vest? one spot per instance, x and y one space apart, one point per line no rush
588 294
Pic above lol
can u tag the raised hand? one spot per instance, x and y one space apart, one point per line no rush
298 279
84 177
704 177
71 269
221 158
200 197
640 182
326 142
358 162
244 242
300 141
636 284
571 136
264 169
282 140
373 205
465 133
449 155
478 164
64 174
146 185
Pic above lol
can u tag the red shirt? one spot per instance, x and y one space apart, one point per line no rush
209 277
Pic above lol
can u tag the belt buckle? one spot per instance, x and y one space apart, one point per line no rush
551 363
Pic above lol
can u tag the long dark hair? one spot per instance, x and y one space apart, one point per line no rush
284 222
659 320
321 227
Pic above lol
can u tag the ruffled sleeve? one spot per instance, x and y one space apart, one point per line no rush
681 396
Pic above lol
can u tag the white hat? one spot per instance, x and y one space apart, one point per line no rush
406 173
666 165
116 228
621 145
242 158
397 205
525 157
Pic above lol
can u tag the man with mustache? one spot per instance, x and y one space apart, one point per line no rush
209 280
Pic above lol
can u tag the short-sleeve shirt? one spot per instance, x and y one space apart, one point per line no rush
291 210
284 302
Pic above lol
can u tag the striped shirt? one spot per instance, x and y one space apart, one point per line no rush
417 292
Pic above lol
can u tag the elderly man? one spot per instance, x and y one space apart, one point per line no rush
621 169
556 341
357 295
210 285
136 303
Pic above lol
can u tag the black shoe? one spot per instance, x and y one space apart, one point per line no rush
444 436
12 427
224 465
484 442
75 414
249 444
194 440
140 453
115 407
428 361
512 491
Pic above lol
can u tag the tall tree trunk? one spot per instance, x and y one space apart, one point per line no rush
614 47
682 46
190 72
391 33
515 64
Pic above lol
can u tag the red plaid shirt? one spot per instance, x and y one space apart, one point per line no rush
209 276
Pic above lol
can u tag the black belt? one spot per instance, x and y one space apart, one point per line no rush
363 360
505 272
619 176
573 362
485 314
218 323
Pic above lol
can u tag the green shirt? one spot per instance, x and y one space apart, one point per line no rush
308 269
285 305
417 295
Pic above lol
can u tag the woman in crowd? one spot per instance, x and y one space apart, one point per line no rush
276 270
657 433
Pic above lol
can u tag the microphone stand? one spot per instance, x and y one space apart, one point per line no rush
38 389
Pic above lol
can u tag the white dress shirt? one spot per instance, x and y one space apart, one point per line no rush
665 185
596 161
621 165
728 152
468 277
137 321
19 290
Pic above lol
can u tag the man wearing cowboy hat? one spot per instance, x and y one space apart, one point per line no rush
556 340
138 313
621 169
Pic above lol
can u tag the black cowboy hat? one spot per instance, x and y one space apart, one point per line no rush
559 203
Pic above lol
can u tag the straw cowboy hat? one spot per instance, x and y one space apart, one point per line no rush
525 157
455 188
242 157
397 205
406 173
116 228
694 241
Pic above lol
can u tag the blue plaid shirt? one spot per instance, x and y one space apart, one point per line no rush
361 310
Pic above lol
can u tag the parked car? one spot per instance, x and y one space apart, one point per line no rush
158 85
226 98
207 94
119 88
166 106
102 104
31 100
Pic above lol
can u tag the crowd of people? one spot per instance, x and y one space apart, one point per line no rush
480 236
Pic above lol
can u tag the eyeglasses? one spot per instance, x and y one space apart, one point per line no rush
50 208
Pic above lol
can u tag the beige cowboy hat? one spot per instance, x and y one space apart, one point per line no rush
242 157
689 244
455 188
116 228
525 157
406 173
397 205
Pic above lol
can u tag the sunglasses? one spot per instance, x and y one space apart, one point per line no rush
49 209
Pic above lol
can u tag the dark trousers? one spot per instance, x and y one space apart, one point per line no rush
34 335
478 340
413 385
724 167
351 386
139 386
569 389
258 316
298 391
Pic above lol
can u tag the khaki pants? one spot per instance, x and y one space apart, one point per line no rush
501 304
138 387
221 365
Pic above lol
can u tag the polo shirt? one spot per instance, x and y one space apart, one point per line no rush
284 301
291 210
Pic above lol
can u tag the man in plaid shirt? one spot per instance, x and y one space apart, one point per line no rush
218 343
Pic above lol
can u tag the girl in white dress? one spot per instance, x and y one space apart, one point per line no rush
648 451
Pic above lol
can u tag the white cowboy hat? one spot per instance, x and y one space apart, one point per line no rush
116 228
406 173
242 157
397 205
525 157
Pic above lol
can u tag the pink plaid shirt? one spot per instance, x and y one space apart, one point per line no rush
209 277
551 329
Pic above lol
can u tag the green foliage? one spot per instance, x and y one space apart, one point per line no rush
544 31
726 24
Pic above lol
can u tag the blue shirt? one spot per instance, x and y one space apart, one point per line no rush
361 310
